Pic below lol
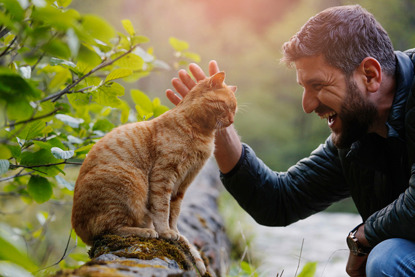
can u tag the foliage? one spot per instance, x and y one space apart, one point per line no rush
62 87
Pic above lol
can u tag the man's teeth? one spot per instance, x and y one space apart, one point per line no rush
327 115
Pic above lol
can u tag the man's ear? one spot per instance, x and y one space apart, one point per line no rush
372 73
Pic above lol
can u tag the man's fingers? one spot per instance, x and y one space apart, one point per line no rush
197 72
185 83
173 97
213 67
186 79
181 88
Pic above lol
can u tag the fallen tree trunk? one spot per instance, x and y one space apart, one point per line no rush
199 222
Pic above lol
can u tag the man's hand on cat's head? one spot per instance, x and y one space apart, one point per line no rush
185 83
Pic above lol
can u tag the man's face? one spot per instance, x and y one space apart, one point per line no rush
340 101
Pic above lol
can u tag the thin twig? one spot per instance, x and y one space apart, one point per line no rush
65 253
12 166
299 259
8 46
33 118
54 97
14 176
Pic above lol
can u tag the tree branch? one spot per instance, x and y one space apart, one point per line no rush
8 46
32 119
23 167
13 166
54 97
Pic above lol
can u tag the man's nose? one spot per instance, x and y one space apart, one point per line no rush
310 101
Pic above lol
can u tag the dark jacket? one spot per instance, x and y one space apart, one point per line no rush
378 173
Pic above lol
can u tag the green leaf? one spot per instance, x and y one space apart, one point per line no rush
98 28
39 189
193 56
62 76
60 19
128 26
140 98
61 154
159 110
10 251
31 130
64 3
19 109
13 85
87 57
144 106
11 269
54 142
139 40
4 166
125 111
39 158
143 114
78 100
14 8
57 48
103 125
5 152
308 270
178 45
107 95
130 61
84 149
118 74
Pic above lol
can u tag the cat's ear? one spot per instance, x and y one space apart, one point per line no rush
216 81
233 88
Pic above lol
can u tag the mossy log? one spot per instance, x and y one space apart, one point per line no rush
199 222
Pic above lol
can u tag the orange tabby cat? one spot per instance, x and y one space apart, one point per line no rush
134 179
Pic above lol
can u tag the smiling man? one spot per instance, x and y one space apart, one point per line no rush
352 77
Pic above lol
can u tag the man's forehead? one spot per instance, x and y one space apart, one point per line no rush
312 69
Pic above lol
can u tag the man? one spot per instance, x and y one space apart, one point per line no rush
351 76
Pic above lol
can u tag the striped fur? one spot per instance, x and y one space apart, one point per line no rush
134 178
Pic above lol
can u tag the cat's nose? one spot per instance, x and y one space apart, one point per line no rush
231 118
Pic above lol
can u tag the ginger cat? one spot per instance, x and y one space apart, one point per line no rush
133 180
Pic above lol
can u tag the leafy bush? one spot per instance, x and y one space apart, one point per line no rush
61 89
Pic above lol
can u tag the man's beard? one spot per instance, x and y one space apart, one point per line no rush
357 115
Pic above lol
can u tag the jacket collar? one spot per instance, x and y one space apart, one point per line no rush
404 77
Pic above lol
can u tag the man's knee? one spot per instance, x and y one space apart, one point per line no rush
392 257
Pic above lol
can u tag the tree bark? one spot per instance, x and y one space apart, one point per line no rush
199 222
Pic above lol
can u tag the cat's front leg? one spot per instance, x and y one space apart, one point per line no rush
175 204
159 202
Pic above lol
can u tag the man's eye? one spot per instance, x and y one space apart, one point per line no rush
317 86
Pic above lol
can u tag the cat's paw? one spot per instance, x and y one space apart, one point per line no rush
169 234
150 233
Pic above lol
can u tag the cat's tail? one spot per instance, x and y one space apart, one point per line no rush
200 265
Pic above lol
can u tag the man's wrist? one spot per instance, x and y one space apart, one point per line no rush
357 242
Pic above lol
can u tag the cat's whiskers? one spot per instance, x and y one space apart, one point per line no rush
242 108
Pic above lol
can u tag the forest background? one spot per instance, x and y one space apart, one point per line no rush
245 37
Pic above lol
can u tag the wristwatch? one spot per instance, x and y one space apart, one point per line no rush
355 247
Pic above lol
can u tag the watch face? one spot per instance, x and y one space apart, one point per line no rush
351 244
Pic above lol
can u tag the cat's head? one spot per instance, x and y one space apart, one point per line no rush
213 102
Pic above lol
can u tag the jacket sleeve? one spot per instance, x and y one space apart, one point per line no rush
397 220
278 199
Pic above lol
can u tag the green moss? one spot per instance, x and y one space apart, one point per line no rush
144 249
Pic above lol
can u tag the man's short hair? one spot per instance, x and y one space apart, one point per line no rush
344 35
